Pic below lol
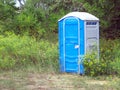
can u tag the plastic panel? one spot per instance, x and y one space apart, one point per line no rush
71 41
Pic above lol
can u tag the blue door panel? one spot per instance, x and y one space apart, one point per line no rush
71 67
71 45
71 40
70 50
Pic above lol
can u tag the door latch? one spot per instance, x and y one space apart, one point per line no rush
76 46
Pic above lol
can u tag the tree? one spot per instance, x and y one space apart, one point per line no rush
108 13
39 16
7 13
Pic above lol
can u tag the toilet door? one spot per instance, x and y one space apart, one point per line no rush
71 44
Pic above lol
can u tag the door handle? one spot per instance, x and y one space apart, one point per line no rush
76 46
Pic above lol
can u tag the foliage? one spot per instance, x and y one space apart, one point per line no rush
108 13
108 64
7 9
27 23
91 65
17 51
7 13
39 16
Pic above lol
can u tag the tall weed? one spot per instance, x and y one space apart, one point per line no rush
18 51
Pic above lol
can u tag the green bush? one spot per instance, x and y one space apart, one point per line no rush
17 51
91 65
109 61
27 23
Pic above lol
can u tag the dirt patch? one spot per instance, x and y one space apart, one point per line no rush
50 81
97 82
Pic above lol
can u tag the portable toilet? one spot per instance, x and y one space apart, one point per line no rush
78 35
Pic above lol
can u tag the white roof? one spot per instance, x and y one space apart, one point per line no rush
81 15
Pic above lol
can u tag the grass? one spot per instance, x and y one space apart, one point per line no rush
37 80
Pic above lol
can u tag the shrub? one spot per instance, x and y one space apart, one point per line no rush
17 51
109 61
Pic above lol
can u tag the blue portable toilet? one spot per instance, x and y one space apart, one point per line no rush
78 35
